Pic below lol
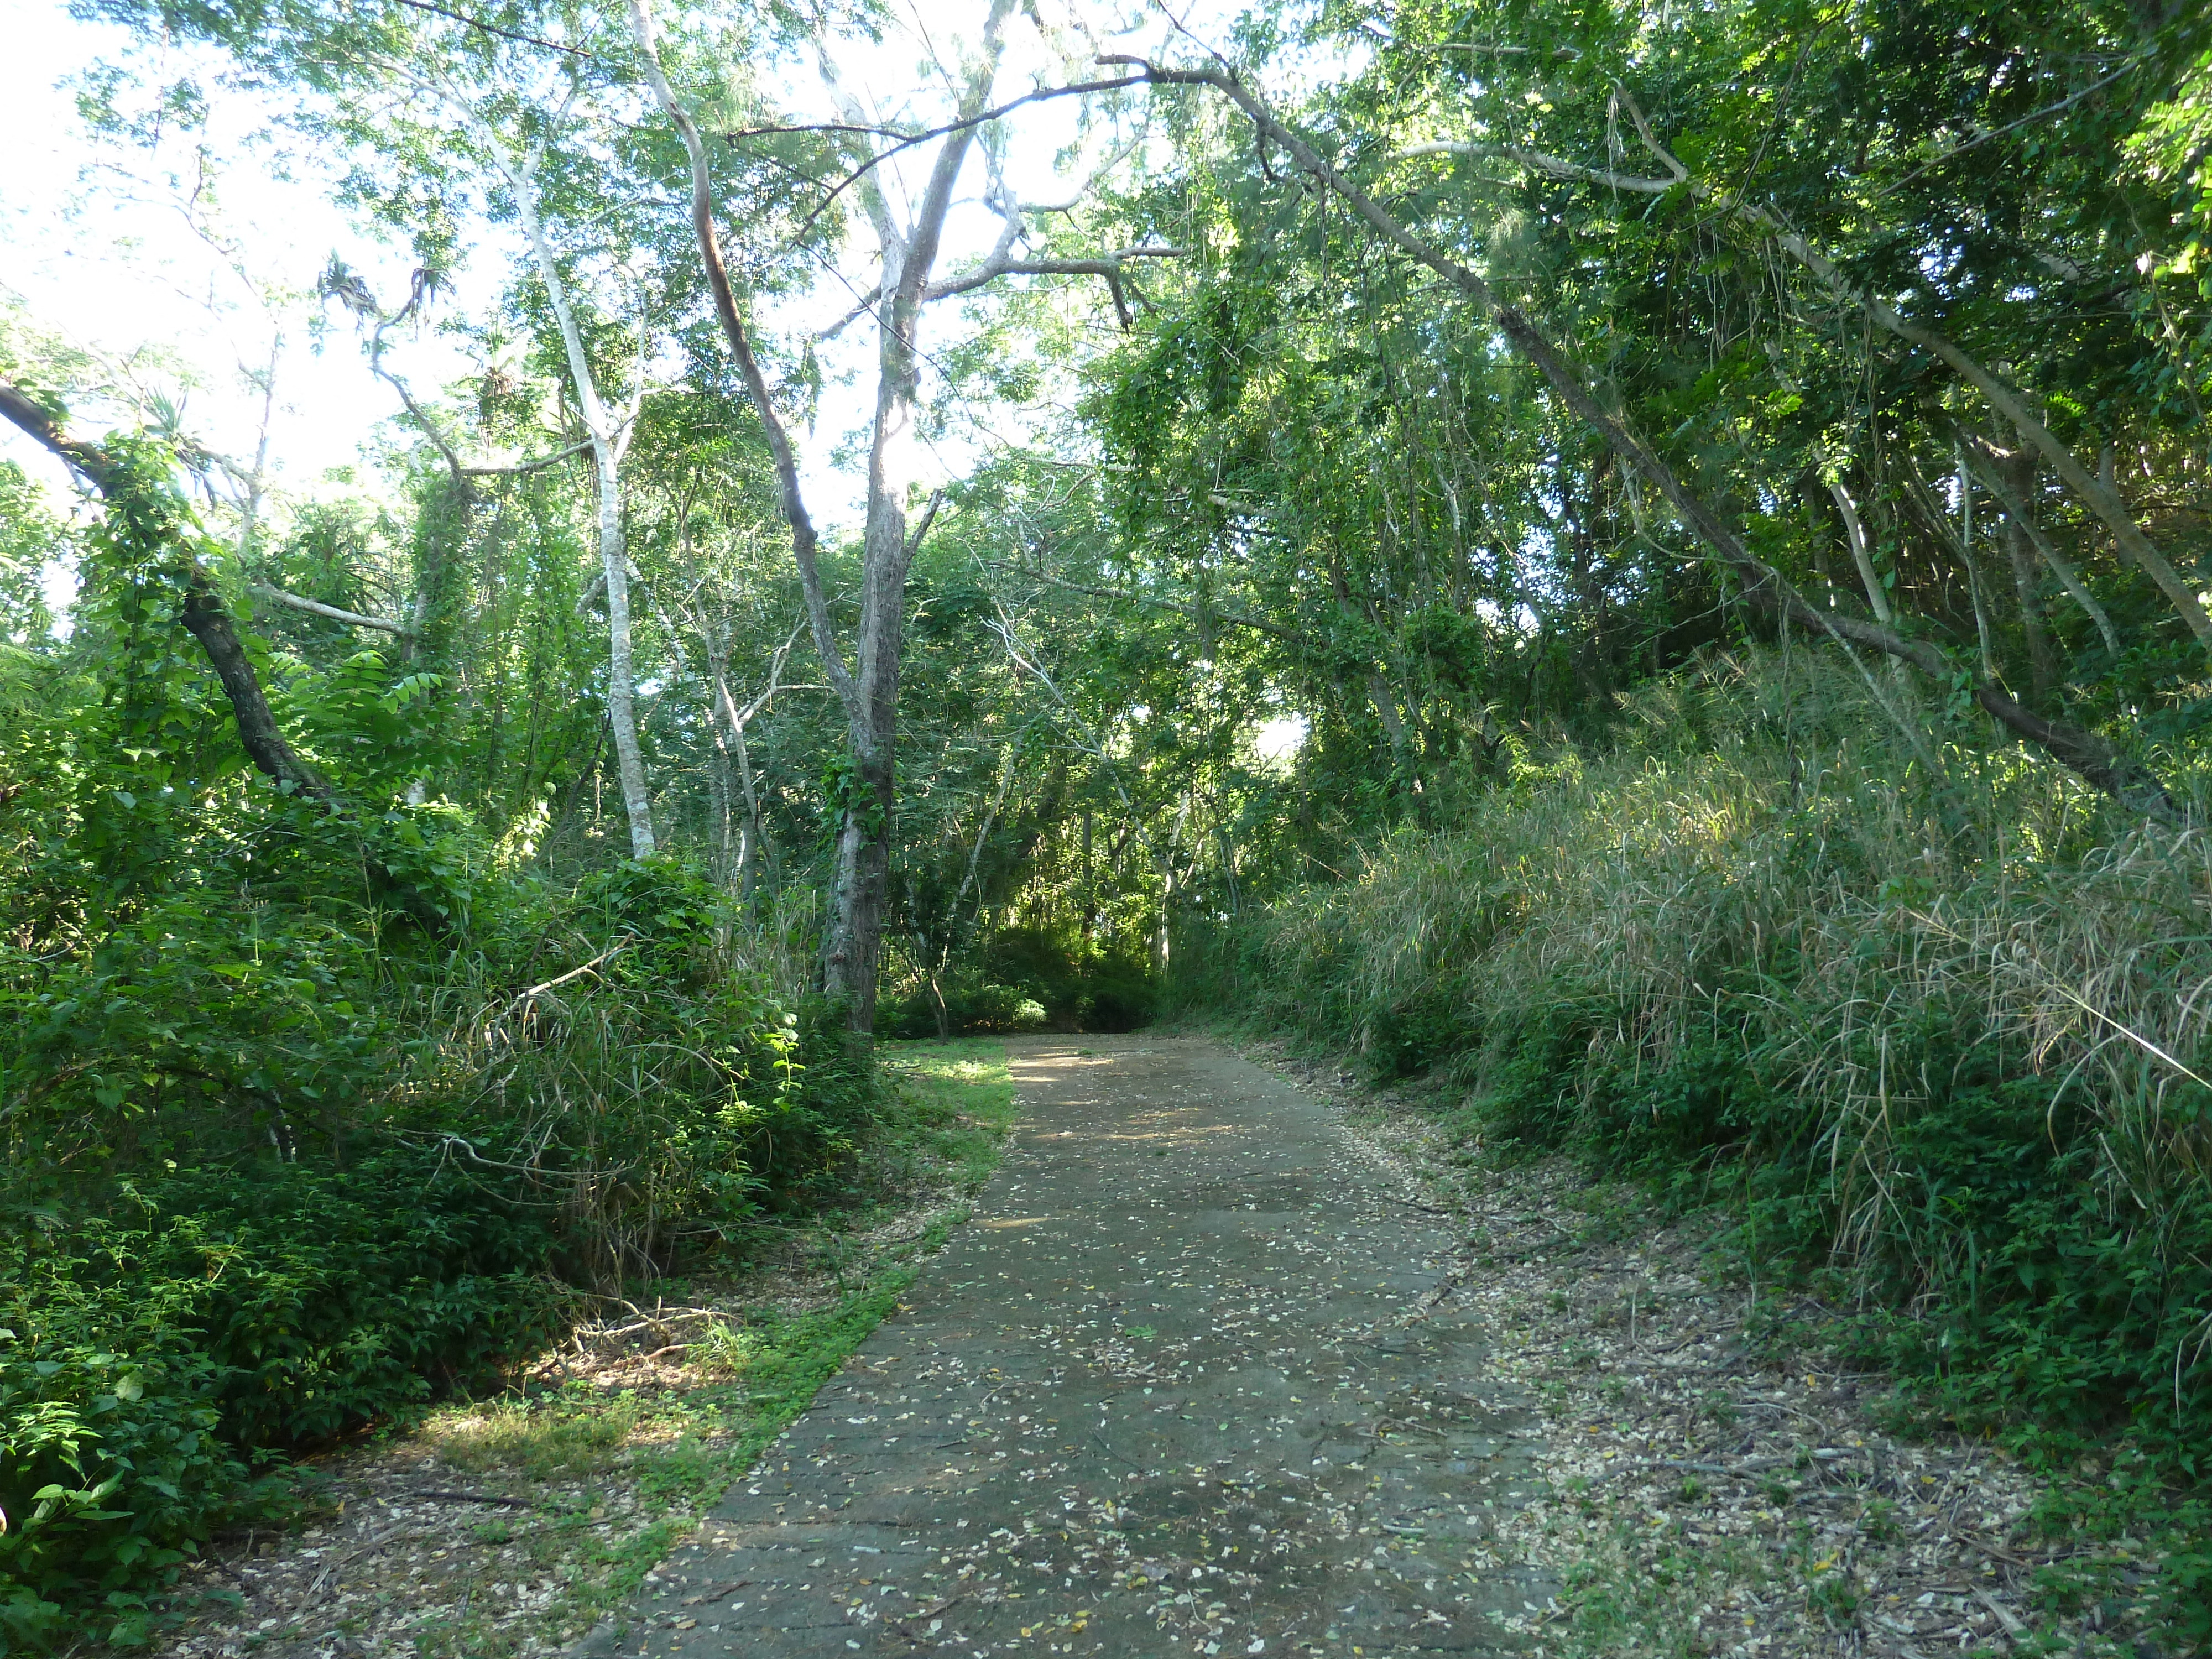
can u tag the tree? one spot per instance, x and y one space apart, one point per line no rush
439 111
2089 754
908 250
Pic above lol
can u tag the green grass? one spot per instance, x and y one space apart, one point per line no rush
684 1449
962 1099
677 1450
1641 1589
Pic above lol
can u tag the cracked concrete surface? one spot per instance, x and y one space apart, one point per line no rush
1191 1383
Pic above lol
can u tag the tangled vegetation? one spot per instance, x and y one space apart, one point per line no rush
1930 1036
1647 562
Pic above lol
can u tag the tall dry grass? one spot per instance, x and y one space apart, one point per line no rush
1758 930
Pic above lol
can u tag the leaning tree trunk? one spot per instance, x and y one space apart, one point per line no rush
2100 493
144 508
2096 760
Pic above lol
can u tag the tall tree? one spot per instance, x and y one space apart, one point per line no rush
441 114
908 250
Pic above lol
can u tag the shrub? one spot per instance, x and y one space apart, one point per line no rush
150 1360
111 1469
265 1195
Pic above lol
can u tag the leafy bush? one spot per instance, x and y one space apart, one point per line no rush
149 1358
111 1465
1027 979
270 1189
973 1006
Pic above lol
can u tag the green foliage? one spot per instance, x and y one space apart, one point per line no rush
1728 957
153 1357
1027 979
283 1162
113 1467
1793 937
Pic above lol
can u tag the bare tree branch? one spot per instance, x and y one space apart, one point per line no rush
928 518
908 140
493 28
1109 265
512 469
804 540
328 613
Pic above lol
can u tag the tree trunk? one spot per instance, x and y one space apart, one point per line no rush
852 954
853 949
606 460
1854 533
1090 891
2042 661
2020 554
622 709
2019 513
729 863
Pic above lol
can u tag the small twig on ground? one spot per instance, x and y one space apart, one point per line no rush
2004 1616
1425 1209
706 1596
1994 1552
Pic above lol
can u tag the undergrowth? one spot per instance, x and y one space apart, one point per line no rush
568 1453
267 1190
1936 1039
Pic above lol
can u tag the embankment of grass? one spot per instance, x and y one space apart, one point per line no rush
1934 1037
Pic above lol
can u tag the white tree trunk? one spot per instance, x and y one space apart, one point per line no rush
1854 533
614 558
869 690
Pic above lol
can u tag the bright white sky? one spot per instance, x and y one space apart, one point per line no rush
115 269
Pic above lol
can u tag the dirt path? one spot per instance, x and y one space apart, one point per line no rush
1189 1384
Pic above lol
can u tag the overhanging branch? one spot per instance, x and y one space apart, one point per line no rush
1108 265
328 613
908 140
202 613
2099 496
2093 757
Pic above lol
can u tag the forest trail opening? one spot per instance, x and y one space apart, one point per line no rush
1185 1385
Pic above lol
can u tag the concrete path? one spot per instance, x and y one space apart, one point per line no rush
1186 1385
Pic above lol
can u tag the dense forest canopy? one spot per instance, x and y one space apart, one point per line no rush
1563 545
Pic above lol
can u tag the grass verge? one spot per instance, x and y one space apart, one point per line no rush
510 1524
